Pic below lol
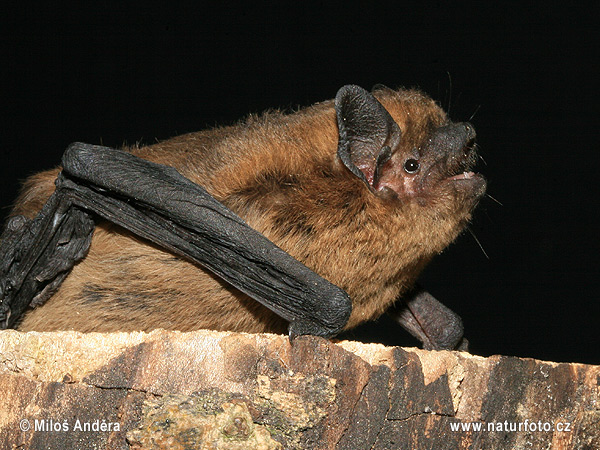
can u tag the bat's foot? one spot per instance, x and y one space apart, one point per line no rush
435 325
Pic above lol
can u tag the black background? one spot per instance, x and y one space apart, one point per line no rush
119 73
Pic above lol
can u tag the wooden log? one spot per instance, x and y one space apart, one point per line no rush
214 390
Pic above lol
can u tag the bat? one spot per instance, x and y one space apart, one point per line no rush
311 222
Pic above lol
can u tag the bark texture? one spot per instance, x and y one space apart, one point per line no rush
213 390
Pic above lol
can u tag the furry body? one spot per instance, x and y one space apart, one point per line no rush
282 175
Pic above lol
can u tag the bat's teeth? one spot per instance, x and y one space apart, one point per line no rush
463 176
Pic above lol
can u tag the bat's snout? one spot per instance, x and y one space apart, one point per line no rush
470 139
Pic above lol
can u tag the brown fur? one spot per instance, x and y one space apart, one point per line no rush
281 174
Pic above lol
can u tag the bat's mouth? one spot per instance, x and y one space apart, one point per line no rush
471 184
460 161
462 176
464 179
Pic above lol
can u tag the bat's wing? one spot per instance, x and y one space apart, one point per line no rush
157 203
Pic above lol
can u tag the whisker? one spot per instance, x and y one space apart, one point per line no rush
478 243
449 93
484 161
497 201
475 112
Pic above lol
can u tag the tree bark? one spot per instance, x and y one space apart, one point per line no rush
214 390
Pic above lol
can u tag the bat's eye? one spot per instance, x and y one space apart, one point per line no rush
411 165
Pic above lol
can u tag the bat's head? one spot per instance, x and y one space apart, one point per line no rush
413 158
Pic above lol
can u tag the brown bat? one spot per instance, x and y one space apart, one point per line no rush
363 190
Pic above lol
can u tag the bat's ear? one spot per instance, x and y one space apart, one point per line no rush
368 135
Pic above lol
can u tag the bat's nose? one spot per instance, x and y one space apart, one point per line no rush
469 139
452 140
